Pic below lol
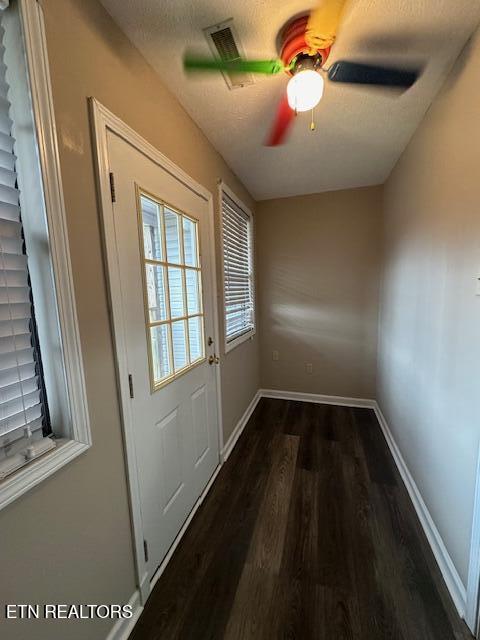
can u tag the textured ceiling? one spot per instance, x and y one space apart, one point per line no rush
360 133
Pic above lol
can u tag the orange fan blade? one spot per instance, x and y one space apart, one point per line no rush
282 123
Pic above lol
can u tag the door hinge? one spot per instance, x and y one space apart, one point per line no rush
145 550
112 187
130 384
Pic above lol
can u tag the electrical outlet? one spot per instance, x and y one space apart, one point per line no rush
309 367
275 355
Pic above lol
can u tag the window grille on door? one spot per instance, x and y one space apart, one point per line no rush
169 242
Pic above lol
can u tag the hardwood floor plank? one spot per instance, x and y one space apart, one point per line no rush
248 619
301 609
214 597
307 533
301 551
316 430
295 418
377 619
226 517
407 578
334 524
379 461
339 615
344 430
210 610
269 534
270 418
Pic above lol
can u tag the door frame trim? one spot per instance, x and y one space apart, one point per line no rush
472 609
102 121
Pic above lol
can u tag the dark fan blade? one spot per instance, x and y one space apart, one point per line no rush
358 73
281 125
199 63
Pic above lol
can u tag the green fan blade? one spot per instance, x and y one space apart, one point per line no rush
197 63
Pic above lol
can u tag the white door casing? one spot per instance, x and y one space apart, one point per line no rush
175 427
173 434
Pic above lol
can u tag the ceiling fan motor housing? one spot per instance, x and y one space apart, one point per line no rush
293 43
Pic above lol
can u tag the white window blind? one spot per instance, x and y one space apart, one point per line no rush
238 270
22 410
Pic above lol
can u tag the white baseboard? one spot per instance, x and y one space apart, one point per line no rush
317 398
450 575
240 426
124 627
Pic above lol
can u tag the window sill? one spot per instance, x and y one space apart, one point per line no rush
230 346
33 473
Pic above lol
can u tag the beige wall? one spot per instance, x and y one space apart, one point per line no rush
429 349
319 260
69 539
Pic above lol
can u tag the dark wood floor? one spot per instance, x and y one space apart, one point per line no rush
308 532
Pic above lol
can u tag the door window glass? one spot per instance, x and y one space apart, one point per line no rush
172 289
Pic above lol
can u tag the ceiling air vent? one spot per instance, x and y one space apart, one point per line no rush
225 45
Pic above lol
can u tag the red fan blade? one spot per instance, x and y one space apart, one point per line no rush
282 124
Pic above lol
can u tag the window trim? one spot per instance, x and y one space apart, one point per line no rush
33 28
248 335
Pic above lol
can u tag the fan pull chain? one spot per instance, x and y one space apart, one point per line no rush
312 123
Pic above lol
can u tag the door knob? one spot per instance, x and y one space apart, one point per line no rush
213 359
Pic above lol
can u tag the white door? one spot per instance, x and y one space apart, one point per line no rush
166 275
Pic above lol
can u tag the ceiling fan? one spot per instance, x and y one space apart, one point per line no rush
305 45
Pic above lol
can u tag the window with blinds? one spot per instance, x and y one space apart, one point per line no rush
238 280
23 408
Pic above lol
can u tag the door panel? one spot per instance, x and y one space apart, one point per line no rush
165 266
171 459
200 424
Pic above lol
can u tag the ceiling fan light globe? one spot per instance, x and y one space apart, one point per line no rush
305 90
